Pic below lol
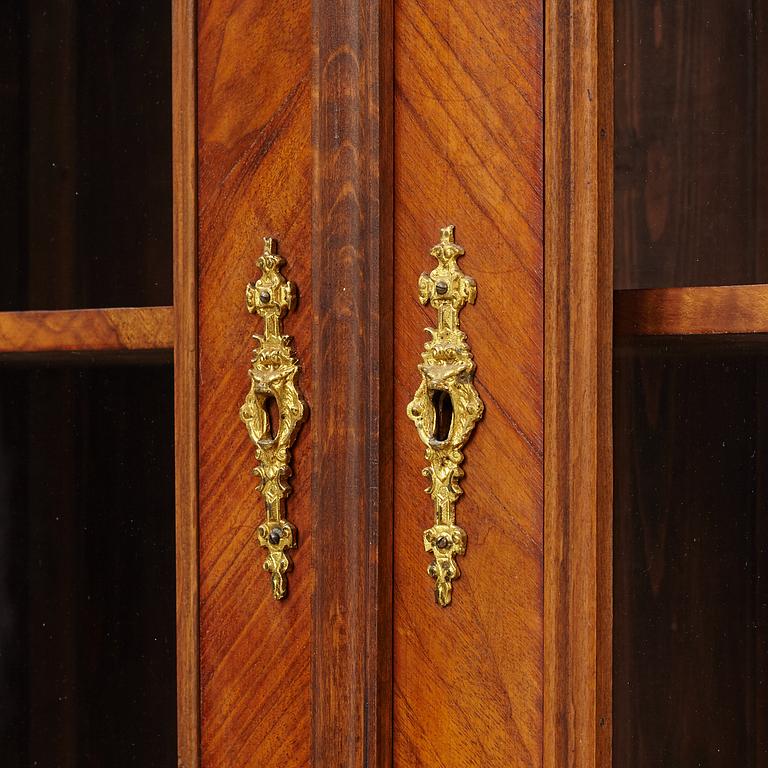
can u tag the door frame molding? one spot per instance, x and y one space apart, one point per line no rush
578 257
184 122
353 352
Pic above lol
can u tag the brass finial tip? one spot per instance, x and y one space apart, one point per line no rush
446 234
270 246
446 250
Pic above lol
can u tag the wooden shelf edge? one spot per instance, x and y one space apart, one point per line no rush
86 330
706 310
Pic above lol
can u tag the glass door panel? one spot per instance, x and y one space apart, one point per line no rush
87 574
690 636
85 154
691 143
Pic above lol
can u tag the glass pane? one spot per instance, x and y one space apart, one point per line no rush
87 578
690 676
85 153
691 152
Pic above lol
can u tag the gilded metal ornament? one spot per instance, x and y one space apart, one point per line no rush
273 371
446 407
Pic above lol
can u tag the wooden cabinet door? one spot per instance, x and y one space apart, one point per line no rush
353 132
468 152
254 180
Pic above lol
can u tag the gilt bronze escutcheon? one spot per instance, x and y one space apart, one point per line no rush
446 407
273 391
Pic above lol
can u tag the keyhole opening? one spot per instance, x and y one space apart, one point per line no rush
443 405
273 416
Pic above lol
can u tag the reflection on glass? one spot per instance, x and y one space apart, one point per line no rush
690 677
85 153
691 142
87 618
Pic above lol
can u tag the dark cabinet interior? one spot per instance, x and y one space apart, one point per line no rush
691 143
690 555
690 601
87 597
85 148
87 523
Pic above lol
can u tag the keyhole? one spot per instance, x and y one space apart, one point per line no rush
443 405
273 416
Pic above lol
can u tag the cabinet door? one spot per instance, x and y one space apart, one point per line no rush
468 152
359 135
254 180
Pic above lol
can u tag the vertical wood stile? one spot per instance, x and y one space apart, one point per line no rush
578 492
352 383
185 380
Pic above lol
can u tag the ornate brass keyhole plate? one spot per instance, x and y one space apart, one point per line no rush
446 407
272 374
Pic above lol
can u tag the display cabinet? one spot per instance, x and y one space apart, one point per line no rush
227 226
87 526
689 598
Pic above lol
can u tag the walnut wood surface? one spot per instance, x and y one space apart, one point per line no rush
185 382
352 385
469 151
307 681
578 493
701 310
142 328
255 170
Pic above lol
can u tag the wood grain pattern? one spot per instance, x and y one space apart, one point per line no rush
185 382
469 152
352 416
98 330
254 179
578 469
686 311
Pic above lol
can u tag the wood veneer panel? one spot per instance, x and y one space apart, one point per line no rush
185 382
352 416
255 170
142 328
469 152
686 311
578 464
